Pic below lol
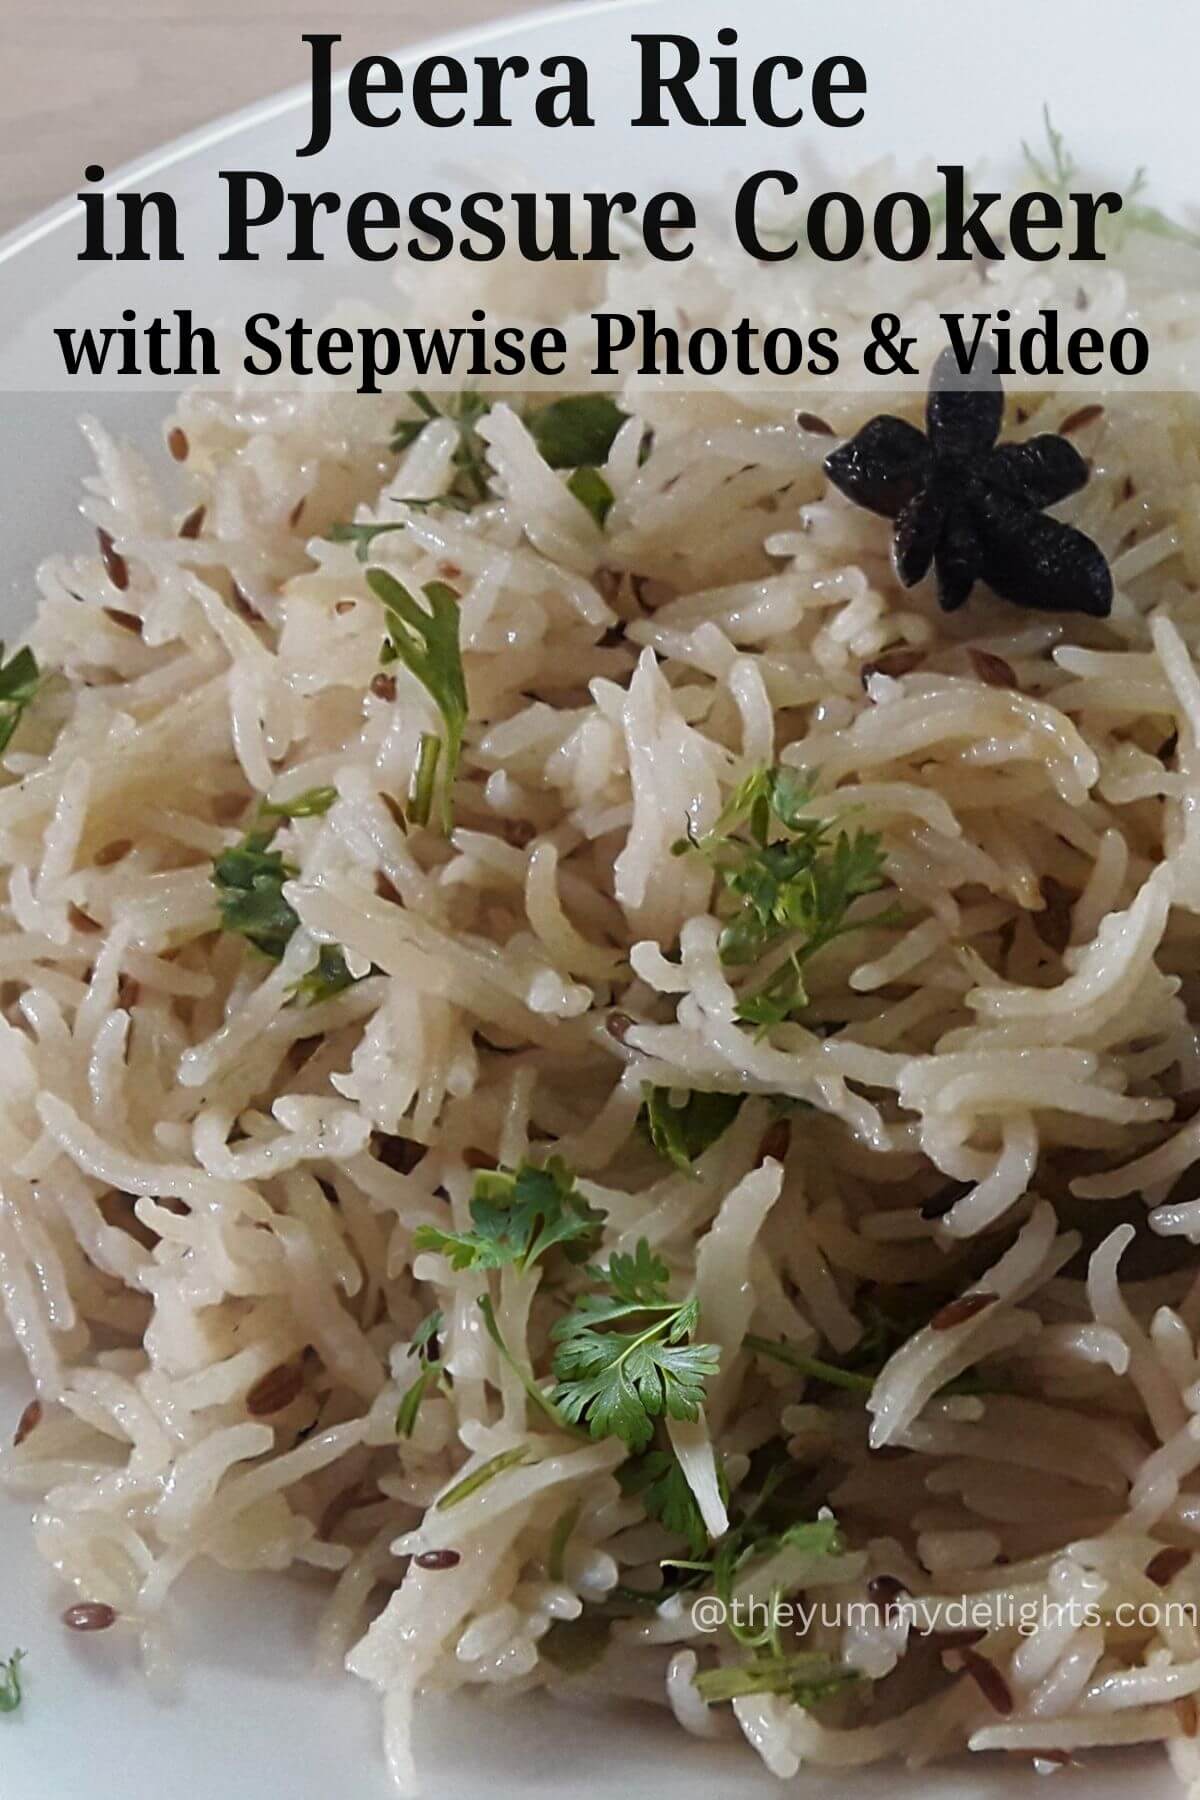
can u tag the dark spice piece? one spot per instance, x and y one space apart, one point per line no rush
177 443
1165 1565
383 686
29 1421
901 661
126 620
115 566
992 670
619 1025
89 1615
989 1681
194 523
971 508
775 1140
275 1390
957 1312
1086 415
437 1559
810 422
112 853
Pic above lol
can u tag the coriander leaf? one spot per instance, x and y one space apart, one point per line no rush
363 536
805 1678
682 1133
518 1216
618 1382
424 1348
424 780
865 1362
329 977
592 491
313 803
425 1336
19 678
577 429
542 1401
659 1482
471 1484
426 639
470 456
249 879
788 893
10 1682
410 1401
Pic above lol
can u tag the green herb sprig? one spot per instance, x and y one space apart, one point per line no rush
425 638
517 1216
10 1682
682 1133
424 1348
790 880
618 1383
19 681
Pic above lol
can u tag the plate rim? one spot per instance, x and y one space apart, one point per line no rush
60 213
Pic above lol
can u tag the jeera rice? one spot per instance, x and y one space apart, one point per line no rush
569 1047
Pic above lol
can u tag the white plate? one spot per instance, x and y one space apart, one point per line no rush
253 1722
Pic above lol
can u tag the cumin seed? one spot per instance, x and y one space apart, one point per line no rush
89 1615
810 422
128 621
177 443
437 1559
957 1312
29 1421
115 566
993 670
775 1140
989 1681
194 523
900 661
1085 415
1165 1565
275 1390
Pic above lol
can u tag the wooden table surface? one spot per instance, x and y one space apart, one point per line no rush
107 80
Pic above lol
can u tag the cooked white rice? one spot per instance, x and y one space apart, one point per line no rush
201 1182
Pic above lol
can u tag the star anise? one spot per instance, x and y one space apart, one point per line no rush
972 507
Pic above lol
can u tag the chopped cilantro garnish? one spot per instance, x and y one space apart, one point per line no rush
470 456
682 1133
249 879
577 429
19 678
517 1217
329 977
658 1481
542 1401
10 1682
790 882
618 1382
363 536
471 1484
592 491
313 803
425 639
804 1678
424 1348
